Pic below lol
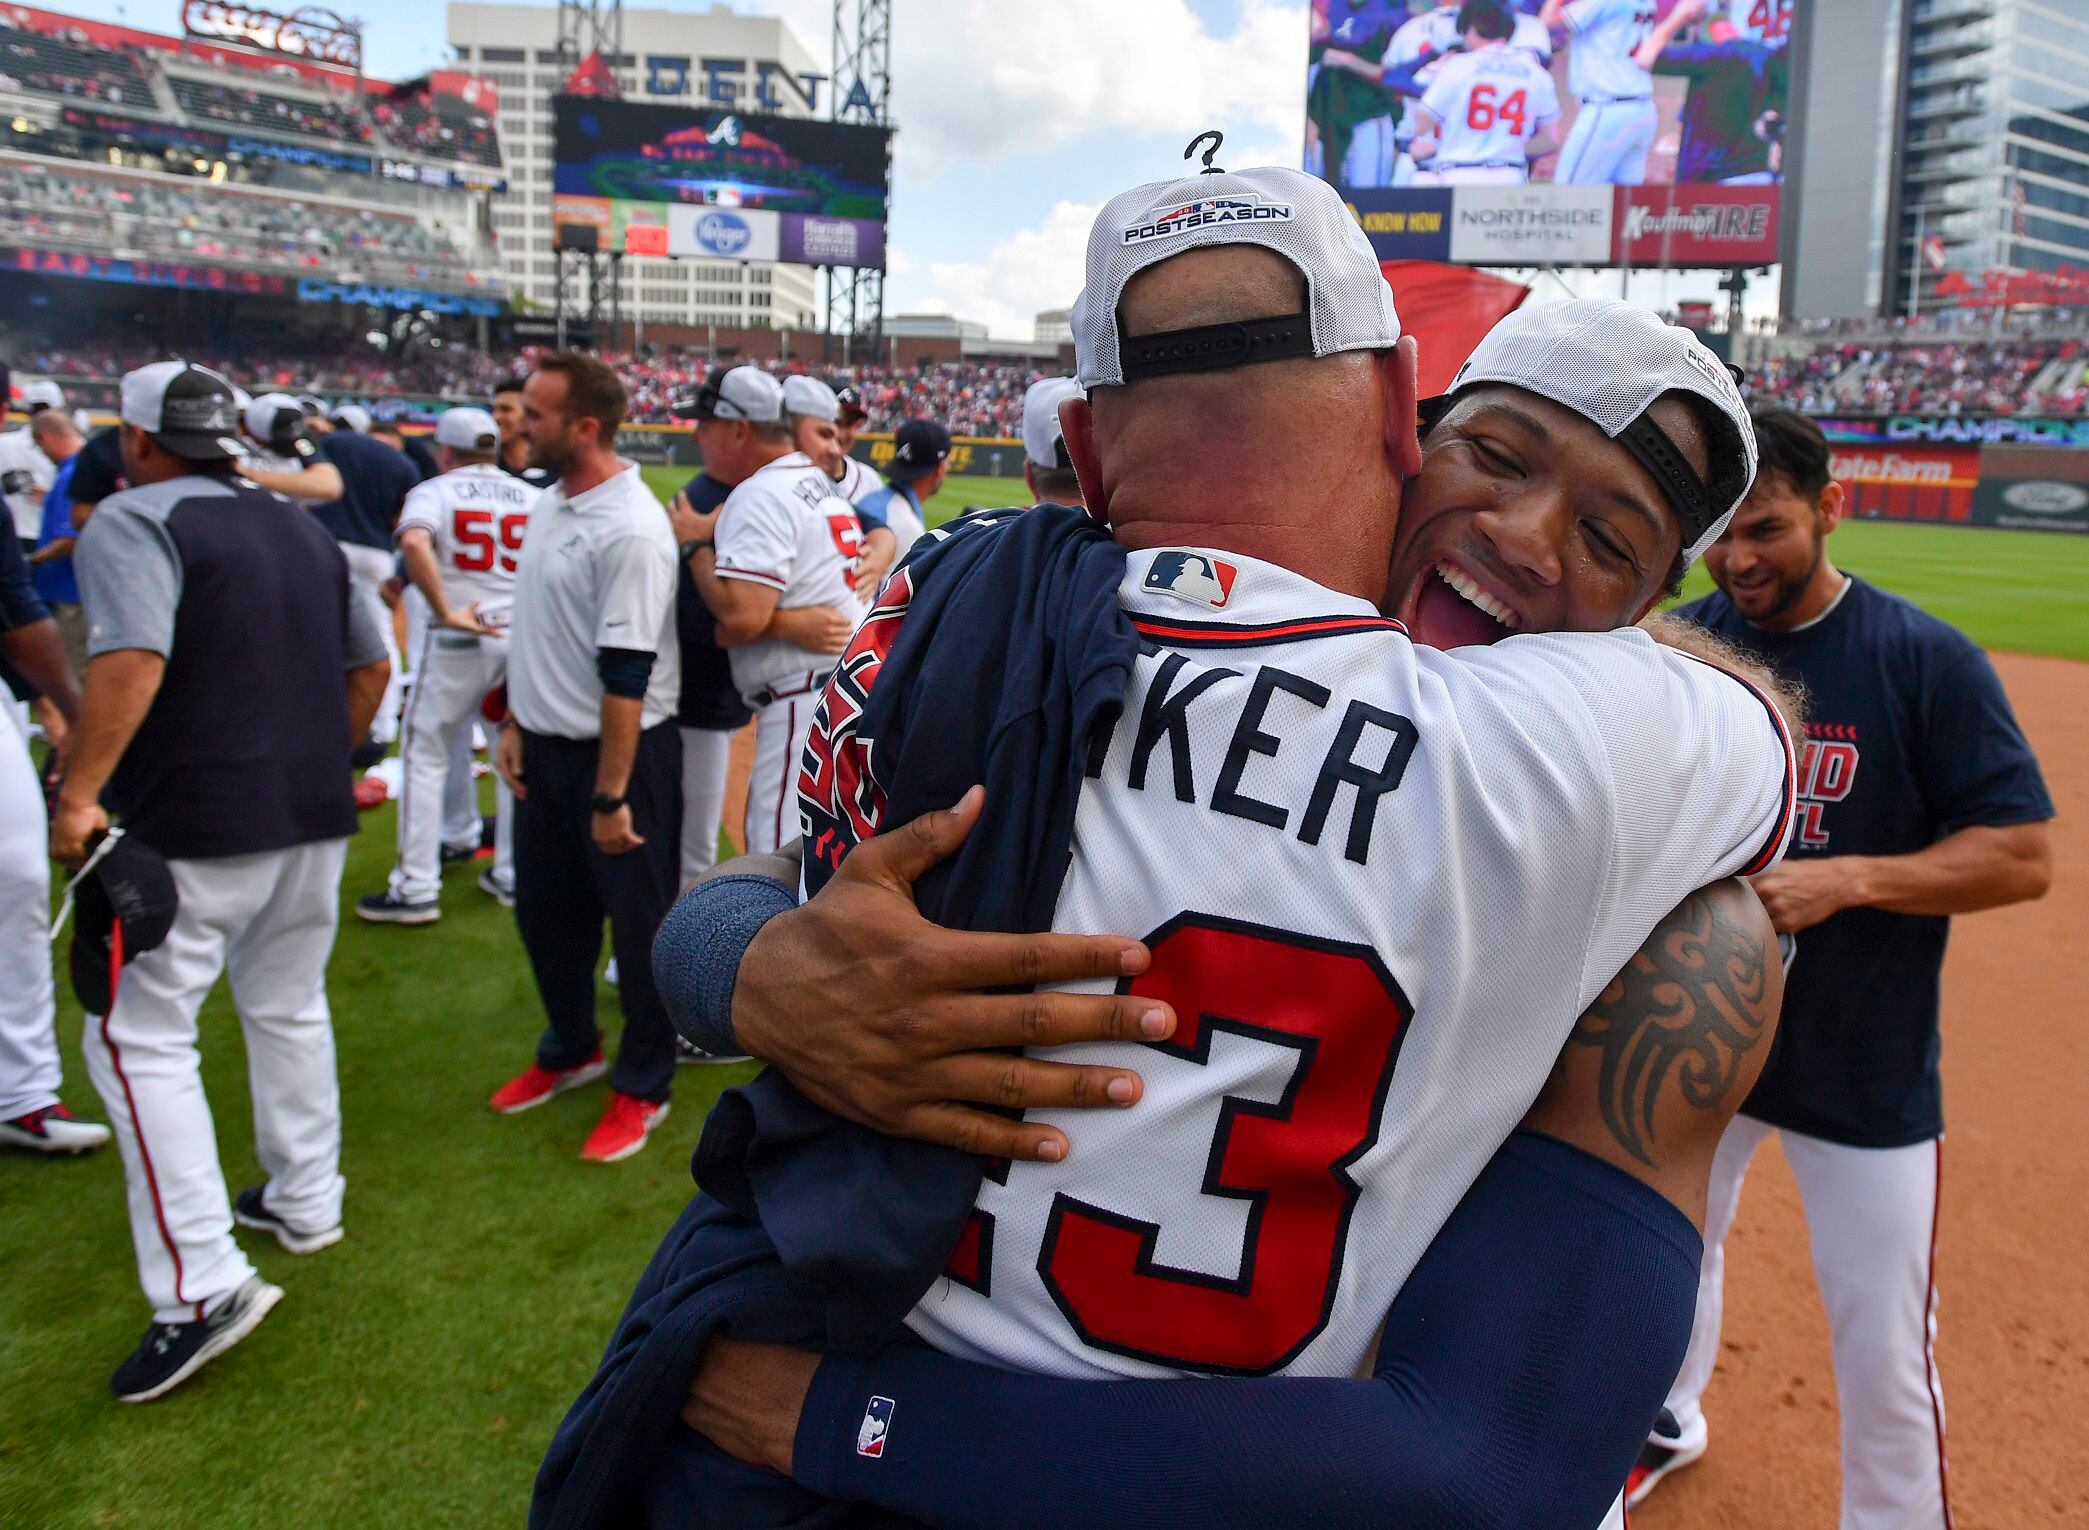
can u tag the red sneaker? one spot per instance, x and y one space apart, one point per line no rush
623 1129
535 1085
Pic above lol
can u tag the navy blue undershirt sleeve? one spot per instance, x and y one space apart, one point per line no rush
1521 1368
19 603
697 954
624 671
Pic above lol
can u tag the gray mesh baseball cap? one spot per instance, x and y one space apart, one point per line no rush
1607 361
1042 441
187 409
1349 306
808 395
467 430
744 393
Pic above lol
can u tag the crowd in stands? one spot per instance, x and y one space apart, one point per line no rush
239 106
72 67
1934 377
441 127
985 399
110 213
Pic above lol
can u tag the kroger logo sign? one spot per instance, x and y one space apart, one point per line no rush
723 233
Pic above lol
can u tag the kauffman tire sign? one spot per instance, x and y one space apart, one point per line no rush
1697 225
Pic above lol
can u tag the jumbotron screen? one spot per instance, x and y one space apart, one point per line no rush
712 184
1555 132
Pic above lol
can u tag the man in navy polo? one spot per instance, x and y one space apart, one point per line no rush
1918 799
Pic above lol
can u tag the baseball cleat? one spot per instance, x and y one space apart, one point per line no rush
170 1353
534 1085
623 1129
389 908
452 854
689 1055
1663 1453
490 885
249 1211
53 1130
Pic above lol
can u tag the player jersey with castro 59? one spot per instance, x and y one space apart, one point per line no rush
477 517
1380 884
785 526
1490 103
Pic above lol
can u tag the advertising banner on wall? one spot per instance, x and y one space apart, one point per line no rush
1915 483
2033 488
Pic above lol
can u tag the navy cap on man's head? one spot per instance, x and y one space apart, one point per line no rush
917 446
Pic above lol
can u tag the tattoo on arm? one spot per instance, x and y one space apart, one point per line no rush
1690 1002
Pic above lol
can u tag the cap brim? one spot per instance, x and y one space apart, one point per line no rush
200 446
908 472
1430 410
849 416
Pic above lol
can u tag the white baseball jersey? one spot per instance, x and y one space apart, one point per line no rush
785 526
1436 33
19 454
857 479
1768 22
1606 33
478 516
1489 104
1380 884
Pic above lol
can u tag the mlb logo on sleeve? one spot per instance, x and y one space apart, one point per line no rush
877 1422
1194 577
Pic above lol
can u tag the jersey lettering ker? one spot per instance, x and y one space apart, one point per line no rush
1489 103
477 516
786 527
1380 883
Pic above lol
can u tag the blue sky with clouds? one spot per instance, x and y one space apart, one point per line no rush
1016 118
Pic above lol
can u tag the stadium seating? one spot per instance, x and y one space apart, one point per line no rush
241 106
440 126
42 64
1929 376
166 219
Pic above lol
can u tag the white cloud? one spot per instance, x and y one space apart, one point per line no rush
974 81
1032 269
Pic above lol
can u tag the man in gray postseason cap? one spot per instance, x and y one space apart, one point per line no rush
1248 435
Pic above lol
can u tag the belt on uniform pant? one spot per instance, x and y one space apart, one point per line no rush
1480 164
1612 100
763 697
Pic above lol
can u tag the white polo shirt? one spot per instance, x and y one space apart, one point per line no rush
23 461
787 527
597 572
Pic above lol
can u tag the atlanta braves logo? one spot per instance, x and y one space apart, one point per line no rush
839 800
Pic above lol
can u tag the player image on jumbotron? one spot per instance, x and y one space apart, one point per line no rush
639 153
1571 92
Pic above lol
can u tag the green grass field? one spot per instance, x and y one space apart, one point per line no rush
415 1371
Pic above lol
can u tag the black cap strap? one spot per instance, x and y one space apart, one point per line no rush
1215 347
1688 495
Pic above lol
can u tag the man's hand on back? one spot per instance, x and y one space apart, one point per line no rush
883 1018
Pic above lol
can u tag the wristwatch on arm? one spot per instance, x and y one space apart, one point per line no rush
603 803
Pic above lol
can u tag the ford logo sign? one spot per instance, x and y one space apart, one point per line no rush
723 233
2044 497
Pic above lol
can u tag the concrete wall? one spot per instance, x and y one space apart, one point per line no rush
1838 202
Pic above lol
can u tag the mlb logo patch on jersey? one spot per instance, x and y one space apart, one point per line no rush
877 1423
1191 576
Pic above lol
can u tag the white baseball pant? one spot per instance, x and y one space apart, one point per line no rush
706 758
29 1069
1871 1215
1369 162
1470 175
781 728
1608 144
455 670
462 826
267 922
368 569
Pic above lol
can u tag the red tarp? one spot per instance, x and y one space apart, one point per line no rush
1447 309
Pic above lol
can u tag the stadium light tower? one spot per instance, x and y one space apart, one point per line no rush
590 48
861 92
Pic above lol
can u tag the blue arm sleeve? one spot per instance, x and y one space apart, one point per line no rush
697 954
624 671
871 514
1401 81
1521 1368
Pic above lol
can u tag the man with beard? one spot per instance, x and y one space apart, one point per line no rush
1190 308
591 752
1918 799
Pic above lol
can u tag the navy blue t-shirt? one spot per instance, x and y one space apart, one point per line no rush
1910 739
709 697
375 480
100 467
